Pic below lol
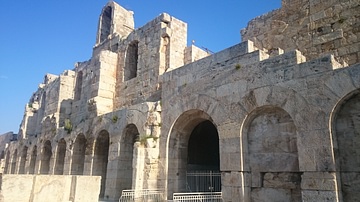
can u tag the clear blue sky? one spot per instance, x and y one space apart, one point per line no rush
39 37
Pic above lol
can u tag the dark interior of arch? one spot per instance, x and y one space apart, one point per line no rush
78 157
2 155
131 135
101 159
60 157
33 161
23 160
131 61
13 163
105 24
347 130
7 161
203 148
45 158
78 86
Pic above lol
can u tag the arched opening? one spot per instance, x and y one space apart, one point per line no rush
347 134
164 54
2 155
131 61
78 86
101 159
45 158
78 157
126 174
60 157
7 162
203 159
13 162
105 24
23 160
272 157
33 161
193 154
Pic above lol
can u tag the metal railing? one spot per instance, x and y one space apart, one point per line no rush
143 195
203 181
198 197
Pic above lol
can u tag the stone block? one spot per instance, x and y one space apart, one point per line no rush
319 181
87 188
270 194
328 37
282 180
51 188
256 179
316 196
231 161
16 187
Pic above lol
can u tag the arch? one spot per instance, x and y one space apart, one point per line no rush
33 160
131 60
126 171
2 155
7 162
13 162
23 160
185 149
45 157
100 162
269 139
345 124
78 157
203 136
78 86
60 157
105 24
164 54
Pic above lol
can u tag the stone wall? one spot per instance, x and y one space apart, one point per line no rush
315 27
250 97
145 111
37 188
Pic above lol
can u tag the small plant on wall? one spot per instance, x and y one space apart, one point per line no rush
148 140
143 138
68 126
114 119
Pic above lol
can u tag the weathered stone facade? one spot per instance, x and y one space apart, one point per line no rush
146 110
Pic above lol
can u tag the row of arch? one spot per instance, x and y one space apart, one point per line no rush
269 149
270 139
85 156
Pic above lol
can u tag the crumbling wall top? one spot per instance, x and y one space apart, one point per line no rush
114 19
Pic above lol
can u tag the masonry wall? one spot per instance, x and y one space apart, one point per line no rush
285 121
28 188
314 27
283 96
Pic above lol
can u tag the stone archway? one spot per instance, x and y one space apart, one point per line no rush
346 126
126 170
105 24
7 162
23 160
45 158
78 156
13 162
193 147
100 162
131 60
60 157
33 161
271 155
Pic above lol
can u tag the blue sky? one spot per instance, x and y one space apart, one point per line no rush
39 37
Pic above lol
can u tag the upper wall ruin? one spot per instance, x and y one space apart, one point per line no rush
315 27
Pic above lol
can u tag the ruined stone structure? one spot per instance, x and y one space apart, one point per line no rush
278 115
